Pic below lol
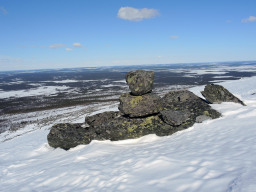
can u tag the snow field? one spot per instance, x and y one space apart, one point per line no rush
216 155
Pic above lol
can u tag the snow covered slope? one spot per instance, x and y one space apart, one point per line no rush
216 155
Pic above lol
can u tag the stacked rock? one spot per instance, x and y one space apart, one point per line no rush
142 112
140 102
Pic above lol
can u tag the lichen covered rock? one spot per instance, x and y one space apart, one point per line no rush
66 135
129 128
218 94
140 82
139 106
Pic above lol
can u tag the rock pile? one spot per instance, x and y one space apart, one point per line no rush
141 112
140 102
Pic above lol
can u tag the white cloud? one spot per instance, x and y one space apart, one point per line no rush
3 10
174 37
133 14
55 46
249 19
79 45
68 49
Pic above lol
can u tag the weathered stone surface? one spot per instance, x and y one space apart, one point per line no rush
129 128
139 106
201 118
175 118
118 127
184 100
140 82
122 127
218 94
101 118
66 135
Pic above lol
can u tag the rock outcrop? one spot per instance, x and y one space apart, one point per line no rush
218 94
141 112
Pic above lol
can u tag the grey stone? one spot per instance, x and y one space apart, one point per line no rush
100 118
139 106
218 94
184 100
140 82
129 128
66 135
175 118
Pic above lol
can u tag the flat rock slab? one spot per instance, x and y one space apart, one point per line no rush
218 94
139 106
140 82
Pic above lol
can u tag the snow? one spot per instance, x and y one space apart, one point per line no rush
203 72
43 90
75 81
221 77
113 85
64 81
216 155
214 70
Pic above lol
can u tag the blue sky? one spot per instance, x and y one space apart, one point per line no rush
38 34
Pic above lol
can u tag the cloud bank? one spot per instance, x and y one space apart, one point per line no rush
249 19
133 14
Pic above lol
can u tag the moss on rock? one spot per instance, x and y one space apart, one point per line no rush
139 106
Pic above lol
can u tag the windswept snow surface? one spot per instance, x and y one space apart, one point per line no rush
216 155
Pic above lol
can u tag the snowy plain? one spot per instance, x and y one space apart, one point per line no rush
216 155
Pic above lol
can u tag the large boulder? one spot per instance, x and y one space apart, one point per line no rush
188 105
139 106
218 94
66 135
140 82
